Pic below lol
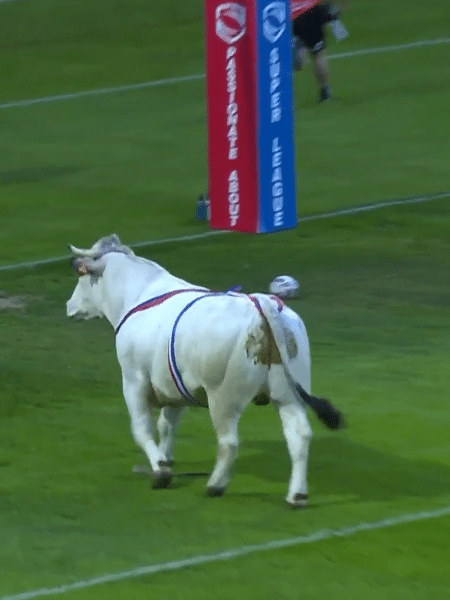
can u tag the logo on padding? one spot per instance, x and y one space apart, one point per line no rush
274 21
231 19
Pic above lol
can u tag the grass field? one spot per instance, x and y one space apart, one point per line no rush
375 299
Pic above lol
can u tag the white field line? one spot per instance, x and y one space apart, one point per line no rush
199 76
202 559
353 210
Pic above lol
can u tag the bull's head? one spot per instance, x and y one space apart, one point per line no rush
89 264
86 301
111 243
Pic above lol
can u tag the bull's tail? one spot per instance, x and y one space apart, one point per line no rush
325 411
282 327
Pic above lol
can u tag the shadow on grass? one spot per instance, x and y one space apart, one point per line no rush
31 174
339 466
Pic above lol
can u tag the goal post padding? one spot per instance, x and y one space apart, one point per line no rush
251 176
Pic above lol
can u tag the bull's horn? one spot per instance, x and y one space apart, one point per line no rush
79 252
76 250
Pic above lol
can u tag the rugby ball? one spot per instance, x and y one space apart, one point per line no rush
284 286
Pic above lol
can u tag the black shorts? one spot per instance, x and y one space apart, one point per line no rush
309 27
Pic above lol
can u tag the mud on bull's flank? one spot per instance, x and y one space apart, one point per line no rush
261 346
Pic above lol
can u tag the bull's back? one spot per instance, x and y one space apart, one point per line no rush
211 333
200 331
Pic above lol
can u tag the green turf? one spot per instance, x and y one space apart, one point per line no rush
375 299
376 309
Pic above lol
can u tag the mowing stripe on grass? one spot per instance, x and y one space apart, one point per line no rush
199 76
202 559
352 210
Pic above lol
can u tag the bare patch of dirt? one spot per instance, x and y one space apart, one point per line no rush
18 302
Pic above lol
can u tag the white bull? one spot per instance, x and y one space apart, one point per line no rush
182 345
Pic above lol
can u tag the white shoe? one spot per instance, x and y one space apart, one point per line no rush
338 29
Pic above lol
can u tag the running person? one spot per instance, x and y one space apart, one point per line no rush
308 20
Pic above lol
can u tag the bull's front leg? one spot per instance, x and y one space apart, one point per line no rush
168 421
136 388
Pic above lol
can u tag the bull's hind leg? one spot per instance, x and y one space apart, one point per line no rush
297 432
135 391
168 421
225 417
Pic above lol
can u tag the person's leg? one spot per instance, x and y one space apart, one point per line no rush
309 29
299 54
321 73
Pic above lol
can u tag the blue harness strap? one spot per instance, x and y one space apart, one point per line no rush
174 370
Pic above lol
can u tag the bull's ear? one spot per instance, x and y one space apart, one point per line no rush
85 266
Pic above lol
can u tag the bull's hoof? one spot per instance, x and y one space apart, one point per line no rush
165 463
299 501
215 492
161 480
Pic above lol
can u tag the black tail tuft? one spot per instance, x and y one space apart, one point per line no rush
325 411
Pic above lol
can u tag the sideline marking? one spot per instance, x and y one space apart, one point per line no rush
352 210
199 76
195 561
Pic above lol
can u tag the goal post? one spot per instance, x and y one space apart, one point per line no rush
251 174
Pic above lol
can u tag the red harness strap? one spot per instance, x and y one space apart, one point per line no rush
155 302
